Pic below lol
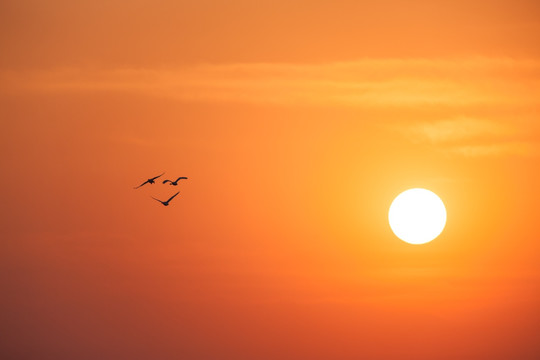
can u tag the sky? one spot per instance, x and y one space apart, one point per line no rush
297 123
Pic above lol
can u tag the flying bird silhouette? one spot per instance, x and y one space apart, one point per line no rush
166 203
176 181
149 181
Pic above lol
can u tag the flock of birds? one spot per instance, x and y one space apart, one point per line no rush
171 182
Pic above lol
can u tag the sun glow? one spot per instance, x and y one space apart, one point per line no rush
417 216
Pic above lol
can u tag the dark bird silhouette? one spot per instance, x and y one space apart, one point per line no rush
176 181
149 181
166 203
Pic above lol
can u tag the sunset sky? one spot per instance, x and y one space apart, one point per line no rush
297 123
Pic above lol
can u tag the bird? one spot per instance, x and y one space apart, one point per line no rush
166 203
174 183
149 181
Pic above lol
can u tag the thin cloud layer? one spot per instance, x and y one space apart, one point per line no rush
473 137
363 83
461 128
498 149
505 85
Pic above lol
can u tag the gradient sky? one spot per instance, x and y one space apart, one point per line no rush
297 123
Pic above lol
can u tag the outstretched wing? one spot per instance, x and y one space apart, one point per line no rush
172 197
155 177
181 178
141 184
165 181
156 199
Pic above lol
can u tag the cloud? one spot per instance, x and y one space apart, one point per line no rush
473 137
461 128
498 149
492 92
363 83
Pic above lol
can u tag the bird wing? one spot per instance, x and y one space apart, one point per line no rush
165 181
155 177
156 199
141 184
172 197
181 177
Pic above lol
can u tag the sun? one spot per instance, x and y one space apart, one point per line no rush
417 216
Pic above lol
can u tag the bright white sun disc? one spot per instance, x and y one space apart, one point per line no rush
417 216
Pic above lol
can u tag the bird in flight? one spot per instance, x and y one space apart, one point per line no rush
176 181
166 203
149 181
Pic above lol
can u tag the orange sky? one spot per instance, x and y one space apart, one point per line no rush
297 123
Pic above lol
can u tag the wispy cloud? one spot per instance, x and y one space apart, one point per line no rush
472 137
363 83
498 149
494 85
461 128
